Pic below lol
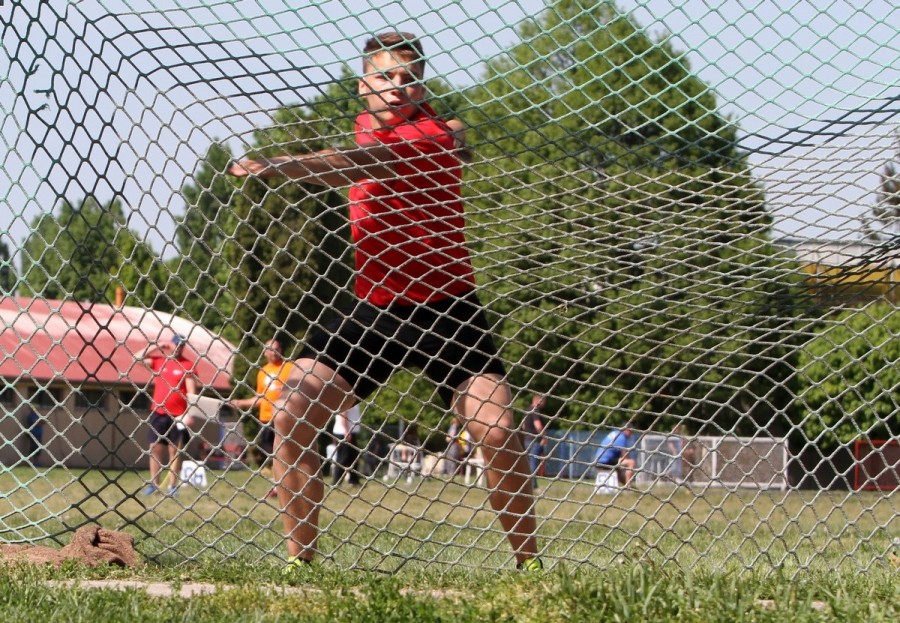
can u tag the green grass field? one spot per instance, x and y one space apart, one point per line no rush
428 551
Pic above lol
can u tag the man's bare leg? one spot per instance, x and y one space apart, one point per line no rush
626 471
175 460
313 394
485 403
157 456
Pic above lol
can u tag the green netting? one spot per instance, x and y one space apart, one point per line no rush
681 215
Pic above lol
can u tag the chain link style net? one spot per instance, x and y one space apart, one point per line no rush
682 216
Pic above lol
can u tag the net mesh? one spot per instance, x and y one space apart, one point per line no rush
682 215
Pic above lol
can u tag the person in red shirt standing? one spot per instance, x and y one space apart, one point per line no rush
417 306
173 382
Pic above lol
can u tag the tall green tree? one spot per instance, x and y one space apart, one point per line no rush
8 277
620 229
849 373
289 254
201 270
85 251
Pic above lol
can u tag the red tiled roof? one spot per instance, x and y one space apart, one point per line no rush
82 342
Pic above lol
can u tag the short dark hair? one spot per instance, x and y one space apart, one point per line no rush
284 340
403 44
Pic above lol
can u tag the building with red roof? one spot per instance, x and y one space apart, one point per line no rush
77 366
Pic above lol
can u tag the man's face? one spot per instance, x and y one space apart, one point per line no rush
272 351
391 87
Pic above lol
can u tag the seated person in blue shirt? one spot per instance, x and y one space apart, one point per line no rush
614 453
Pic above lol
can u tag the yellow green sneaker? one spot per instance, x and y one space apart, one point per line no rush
530 565
295 567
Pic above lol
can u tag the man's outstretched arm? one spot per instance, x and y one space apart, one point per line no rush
329 167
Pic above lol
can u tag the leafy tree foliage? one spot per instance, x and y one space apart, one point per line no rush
621 231
7 271
85 251
851 380
289 253
201 271
616 222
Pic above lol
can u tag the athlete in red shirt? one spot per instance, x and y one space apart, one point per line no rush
408 230
417 306
173 382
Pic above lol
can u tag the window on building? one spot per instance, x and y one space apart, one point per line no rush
46 397
9 398
90 398
137 401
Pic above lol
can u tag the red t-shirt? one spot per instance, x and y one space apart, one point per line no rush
408 231
169 390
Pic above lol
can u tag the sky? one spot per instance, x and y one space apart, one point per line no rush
123 97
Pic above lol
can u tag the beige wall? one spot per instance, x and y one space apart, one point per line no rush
12 442
113 436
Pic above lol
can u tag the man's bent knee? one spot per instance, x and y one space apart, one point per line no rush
314 384
487 399
500 437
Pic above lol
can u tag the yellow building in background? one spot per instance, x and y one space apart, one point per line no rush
848 273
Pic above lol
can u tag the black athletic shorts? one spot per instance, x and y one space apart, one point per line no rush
448 340
163 430
266 438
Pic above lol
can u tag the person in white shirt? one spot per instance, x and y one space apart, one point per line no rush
345 431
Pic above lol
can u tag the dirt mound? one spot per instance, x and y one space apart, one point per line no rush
91 545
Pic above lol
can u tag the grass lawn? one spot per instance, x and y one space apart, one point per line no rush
429 551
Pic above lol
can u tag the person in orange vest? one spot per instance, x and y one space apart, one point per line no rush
270 382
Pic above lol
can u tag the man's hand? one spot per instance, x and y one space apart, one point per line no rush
248 167
459 140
